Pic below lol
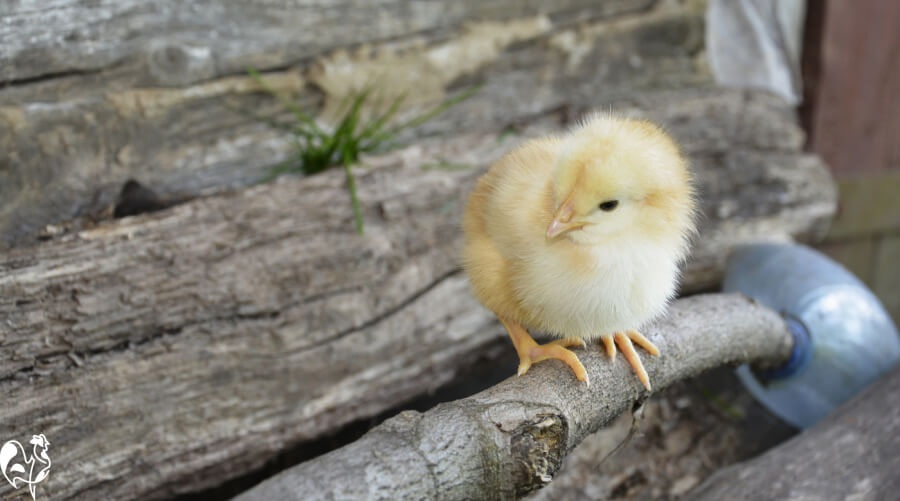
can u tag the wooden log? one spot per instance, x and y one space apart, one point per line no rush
511 439
172 350
851 454
169 44
92 94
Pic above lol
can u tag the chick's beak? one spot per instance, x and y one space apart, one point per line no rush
562 220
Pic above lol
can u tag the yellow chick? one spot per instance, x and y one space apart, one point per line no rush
580 237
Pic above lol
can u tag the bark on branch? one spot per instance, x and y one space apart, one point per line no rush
511 439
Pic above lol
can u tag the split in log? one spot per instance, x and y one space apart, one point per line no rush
511 439
177 349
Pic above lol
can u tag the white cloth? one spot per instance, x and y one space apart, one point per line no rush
757 44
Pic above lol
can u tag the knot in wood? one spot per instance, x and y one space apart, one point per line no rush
537 448
172 64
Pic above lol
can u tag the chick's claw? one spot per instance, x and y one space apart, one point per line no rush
623 341
541 352
643 342
531 353
610 346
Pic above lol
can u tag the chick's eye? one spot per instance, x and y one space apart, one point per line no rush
608 205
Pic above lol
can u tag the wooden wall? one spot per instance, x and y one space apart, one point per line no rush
854 92
852 115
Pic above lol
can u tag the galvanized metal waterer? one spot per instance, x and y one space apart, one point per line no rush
843 338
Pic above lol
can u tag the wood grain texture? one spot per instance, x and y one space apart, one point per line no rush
95 93
851 454
173 350
511 439
172 43
854 109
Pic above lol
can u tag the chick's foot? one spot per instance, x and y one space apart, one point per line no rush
530 352
623 341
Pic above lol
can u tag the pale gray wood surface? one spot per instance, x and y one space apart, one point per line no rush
170 351
172 43
851 454
511 439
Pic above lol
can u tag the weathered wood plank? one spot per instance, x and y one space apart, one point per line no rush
853 114
172 43
256 319
851 454
156 97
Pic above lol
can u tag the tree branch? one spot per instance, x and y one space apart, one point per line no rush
511 439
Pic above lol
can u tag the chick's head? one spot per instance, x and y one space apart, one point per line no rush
617 179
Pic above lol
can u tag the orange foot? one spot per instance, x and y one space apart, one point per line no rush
623 341
531 353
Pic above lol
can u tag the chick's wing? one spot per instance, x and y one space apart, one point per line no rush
507 212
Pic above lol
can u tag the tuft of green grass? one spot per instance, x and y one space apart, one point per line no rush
319 147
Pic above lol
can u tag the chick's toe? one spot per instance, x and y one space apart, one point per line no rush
570 342
624 341
531 353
